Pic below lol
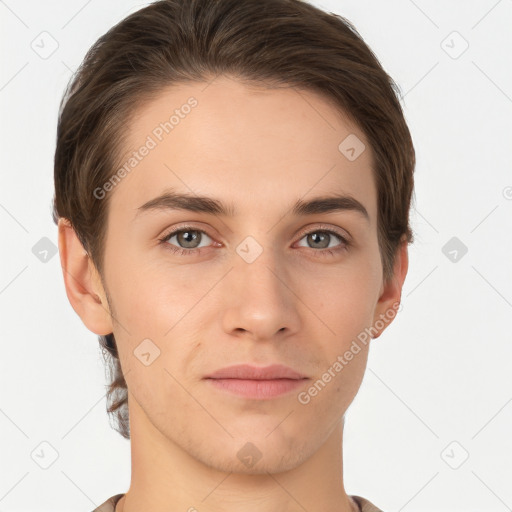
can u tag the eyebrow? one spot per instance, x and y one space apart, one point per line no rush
172 200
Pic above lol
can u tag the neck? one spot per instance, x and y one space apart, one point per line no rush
165 477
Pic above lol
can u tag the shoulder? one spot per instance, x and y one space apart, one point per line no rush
365 505
110 504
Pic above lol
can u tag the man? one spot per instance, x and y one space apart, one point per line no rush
232 188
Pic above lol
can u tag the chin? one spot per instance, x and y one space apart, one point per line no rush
256 455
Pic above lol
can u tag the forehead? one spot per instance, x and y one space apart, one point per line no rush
254 147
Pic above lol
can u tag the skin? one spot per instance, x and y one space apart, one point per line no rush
261 149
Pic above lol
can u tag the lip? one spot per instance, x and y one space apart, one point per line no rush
257 382
247 371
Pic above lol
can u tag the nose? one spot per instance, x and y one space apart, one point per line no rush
259 299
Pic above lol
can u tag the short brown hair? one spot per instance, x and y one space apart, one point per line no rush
288 43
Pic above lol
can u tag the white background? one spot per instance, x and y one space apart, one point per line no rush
439 374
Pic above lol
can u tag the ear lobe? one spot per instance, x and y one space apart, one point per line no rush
83 285
391 294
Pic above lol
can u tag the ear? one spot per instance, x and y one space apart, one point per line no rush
82 281
391 292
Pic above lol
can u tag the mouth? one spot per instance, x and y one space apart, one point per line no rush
257 383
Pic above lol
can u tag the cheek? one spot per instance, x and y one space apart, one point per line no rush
329 396
149 299
344 301
157 389
159 314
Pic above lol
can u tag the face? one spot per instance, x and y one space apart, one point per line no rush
199 286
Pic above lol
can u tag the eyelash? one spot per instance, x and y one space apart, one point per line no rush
188 252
